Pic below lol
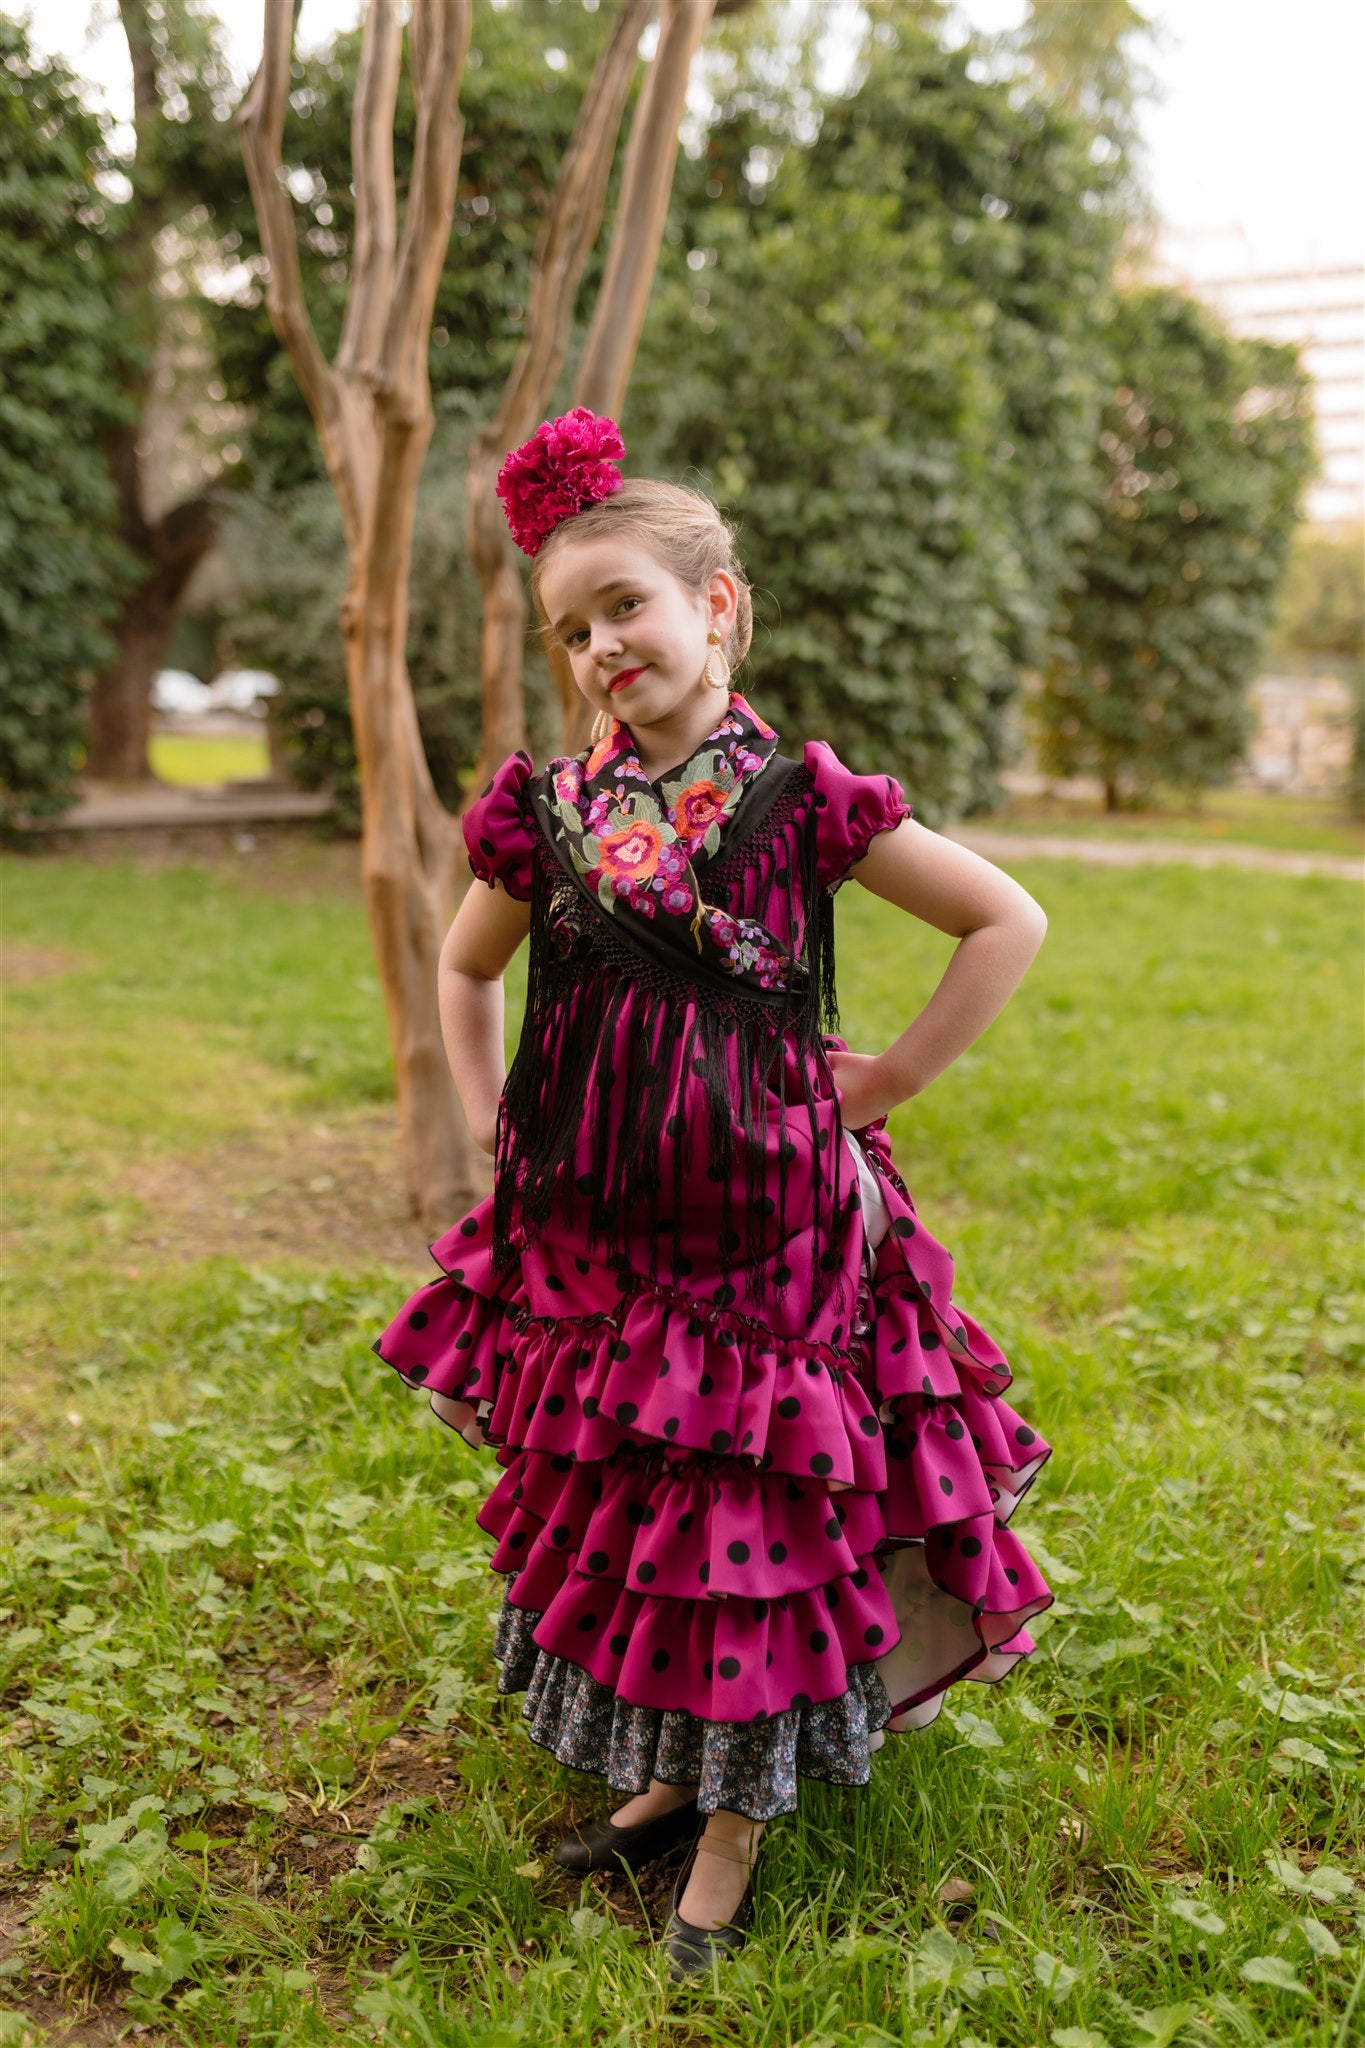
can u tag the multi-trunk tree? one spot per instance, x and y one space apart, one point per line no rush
372 409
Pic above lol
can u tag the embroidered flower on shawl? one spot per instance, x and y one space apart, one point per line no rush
632 853
600 753
747 948
698 806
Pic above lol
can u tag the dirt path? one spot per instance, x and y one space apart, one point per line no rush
1001 847
327 1191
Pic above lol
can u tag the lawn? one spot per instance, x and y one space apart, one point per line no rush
1242 817
189 758
260 1785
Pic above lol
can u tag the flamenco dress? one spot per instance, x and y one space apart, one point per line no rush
757 1470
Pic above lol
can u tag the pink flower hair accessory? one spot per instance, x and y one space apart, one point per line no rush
567 463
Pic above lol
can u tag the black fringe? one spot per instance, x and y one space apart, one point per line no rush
581 975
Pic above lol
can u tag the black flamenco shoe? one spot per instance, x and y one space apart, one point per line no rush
692 1950
601 1845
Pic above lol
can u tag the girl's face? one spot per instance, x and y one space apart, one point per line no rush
635 636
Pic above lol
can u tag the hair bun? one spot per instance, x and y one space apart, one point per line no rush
567 463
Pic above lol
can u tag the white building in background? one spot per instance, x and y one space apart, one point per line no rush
1318 304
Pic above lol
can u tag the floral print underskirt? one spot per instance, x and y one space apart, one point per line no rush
748 1767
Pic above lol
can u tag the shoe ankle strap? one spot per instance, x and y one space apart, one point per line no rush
718 1846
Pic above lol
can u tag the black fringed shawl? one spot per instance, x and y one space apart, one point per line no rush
582 971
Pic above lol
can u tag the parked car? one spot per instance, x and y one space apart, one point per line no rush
175 690
242 689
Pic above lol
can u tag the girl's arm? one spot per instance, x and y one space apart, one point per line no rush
1000 928
489 926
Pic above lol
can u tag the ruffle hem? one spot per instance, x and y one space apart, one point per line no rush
732 1554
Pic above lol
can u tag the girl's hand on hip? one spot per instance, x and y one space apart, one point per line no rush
860 1082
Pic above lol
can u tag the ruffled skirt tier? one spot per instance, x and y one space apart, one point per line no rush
733 1553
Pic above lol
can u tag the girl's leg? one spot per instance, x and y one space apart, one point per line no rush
720 1871
661 1798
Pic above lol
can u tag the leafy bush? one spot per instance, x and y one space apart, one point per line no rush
64 571
885 364
1204 448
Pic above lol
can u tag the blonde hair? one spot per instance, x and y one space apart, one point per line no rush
681 528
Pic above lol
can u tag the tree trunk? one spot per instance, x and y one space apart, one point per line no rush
121 701
411 848
409 868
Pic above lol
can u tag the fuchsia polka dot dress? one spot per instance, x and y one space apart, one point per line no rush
751 1511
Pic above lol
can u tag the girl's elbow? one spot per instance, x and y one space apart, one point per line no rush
1033 921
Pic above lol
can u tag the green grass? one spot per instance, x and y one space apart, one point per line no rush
260 1785
1284 824
184 758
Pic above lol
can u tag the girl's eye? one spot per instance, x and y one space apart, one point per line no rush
578 635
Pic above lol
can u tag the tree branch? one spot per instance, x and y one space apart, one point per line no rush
187 531
146 93
438 39
260 121
376 201
570 229
646 182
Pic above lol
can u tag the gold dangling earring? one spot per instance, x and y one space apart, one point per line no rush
721 681
601 726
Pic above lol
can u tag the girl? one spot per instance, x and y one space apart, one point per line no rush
757 1470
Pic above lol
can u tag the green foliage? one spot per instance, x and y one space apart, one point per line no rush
1204 448
882 363
260 1786
64 572
1081 53
1321 609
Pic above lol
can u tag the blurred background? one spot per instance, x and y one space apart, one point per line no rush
940 284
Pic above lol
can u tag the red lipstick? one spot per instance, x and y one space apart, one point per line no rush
627 675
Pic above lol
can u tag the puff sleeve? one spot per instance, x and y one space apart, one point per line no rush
850 810
499 833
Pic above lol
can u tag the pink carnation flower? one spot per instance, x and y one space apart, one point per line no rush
567 463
